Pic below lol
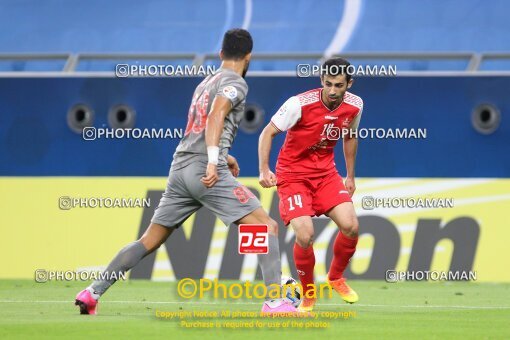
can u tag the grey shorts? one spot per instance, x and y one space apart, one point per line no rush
228 199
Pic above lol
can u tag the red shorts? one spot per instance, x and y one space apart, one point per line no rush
301 196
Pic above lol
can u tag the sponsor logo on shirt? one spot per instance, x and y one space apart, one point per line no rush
230 92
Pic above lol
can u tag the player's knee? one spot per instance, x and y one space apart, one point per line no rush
305 237
351 229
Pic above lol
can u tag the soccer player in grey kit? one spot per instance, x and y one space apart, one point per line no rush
203 174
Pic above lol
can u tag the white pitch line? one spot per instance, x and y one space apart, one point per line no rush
422 306
256 303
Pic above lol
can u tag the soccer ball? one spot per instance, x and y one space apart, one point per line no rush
292 285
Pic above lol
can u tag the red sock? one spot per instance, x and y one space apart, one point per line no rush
304 258
343 249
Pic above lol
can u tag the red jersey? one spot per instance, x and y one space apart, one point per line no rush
313 131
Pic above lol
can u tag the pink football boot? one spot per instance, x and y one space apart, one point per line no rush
278 306
87 304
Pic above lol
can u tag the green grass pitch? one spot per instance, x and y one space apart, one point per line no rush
402 310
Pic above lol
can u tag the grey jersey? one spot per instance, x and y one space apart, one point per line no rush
192 147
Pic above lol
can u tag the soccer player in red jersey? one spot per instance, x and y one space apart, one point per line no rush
307 180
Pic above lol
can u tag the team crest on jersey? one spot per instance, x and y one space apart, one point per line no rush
346 122
230 92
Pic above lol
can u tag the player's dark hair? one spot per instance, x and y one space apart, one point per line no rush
336 66
237 43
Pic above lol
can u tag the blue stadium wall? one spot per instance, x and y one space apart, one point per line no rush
36 141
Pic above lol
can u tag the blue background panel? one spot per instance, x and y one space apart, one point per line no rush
36 141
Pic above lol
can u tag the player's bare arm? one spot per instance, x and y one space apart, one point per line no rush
283 120
350 145
267 178
350 149
233 166
220 108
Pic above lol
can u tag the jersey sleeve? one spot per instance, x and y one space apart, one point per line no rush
288 114
355 122
233 88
